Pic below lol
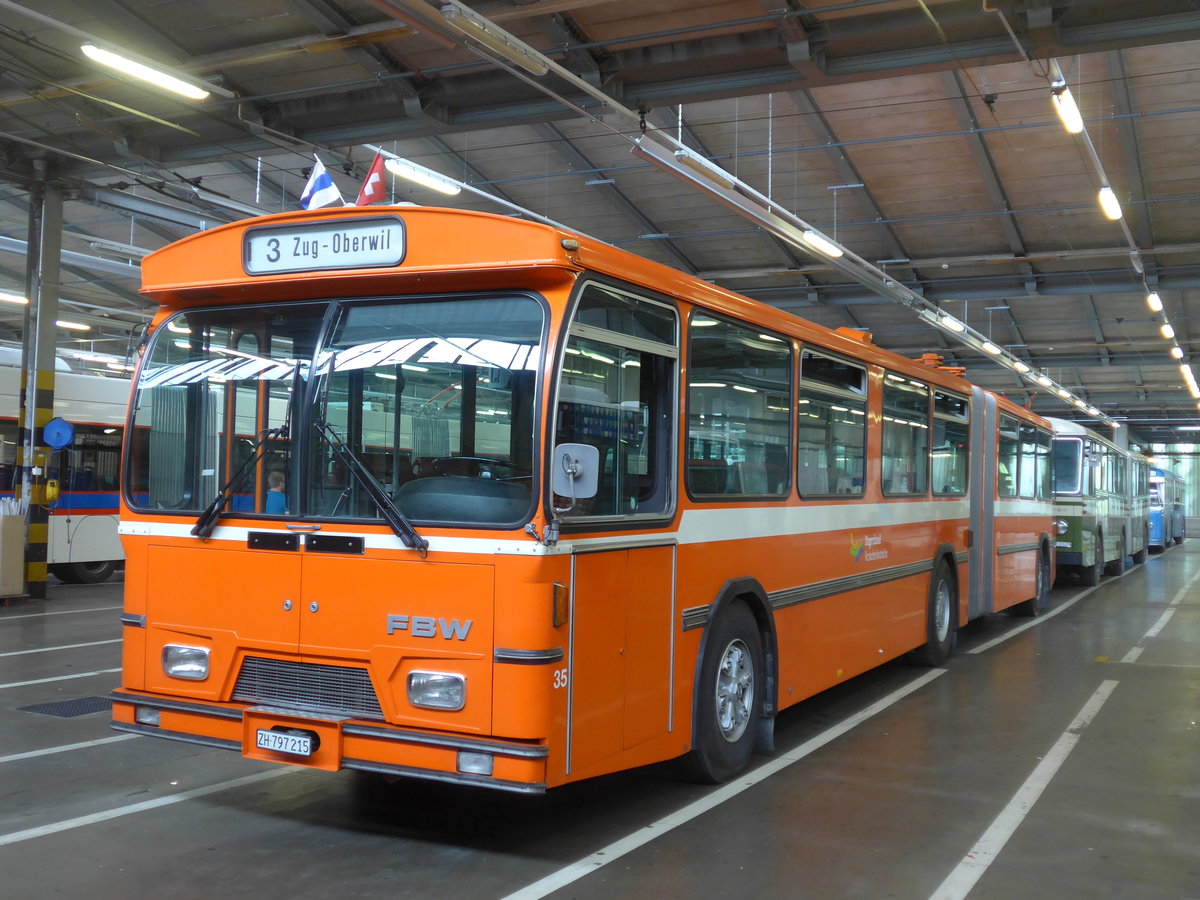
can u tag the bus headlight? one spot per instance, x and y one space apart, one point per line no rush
190 663
437 690
1060 527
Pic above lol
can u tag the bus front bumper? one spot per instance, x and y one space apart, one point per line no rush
319 741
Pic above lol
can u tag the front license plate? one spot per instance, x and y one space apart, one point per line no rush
282 742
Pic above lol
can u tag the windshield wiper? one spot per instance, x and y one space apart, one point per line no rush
208 519
395 519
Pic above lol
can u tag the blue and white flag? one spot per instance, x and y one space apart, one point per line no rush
320 190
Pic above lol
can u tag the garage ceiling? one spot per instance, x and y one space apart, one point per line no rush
918 133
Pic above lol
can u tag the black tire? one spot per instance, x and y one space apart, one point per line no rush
728 698
1117 566
1090 575
1040 601
1139 558
941 618
84 572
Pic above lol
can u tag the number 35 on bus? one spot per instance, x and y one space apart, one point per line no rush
455 496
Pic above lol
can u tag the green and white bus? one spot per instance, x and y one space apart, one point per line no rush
1101 503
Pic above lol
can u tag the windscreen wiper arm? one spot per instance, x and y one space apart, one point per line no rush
395 519
208 519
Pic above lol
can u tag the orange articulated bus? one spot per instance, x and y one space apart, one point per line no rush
542 509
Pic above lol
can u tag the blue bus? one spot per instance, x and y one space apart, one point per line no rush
1166 509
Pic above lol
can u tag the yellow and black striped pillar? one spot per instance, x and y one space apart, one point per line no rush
37 405
37 381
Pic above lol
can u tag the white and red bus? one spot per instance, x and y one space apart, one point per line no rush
550 510
82 544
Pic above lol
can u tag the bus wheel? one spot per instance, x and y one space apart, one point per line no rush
1140 556
1040 601
84 572
1090 575
1117 566
940 618
728 701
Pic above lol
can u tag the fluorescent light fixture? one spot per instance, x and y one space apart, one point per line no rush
1044 381
1109 203
708 384
1064 393
1154 301
1067 109
143 72
744 389
495 39
6 297
1080 403
422 176
1177 352
703 167
1168 331
1092 411
73 326
952 324
989 347
116 248
1020 366
822 244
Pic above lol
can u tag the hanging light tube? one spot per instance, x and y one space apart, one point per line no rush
1109 203
1065 106
422 176
142 72
6 297
952 324
822 244
1044 380
989 347
1177 352
1154 301
704 167
500 43
1168 331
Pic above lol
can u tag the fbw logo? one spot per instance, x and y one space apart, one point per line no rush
429 627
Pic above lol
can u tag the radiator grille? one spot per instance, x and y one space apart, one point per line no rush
307 686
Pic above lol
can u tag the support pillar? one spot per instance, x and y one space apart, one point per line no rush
37 375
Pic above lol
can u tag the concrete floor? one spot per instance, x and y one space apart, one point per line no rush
1062 761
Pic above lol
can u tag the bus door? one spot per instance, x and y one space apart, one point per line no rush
621 666
617 392
984 474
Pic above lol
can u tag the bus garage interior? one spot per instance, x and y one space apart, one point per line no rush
987 215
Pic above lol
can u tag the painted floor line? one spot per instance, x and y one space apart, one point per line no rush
63 647
15 684
58 612
63 748
16 837
972 867
648 833
1138 648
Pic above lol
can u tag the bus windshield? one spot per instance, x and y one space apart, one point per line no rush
434 397
1068 459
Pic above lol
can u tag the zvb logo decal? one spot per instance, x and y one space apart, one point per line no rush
429 627
856 548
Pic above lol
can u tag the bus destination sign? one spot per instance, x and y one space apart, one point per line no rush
309 247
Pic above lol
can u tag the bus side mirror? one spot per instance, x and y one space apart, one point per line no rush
574 471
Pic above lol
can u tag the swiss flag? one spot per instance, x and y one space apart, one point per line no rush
373 188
